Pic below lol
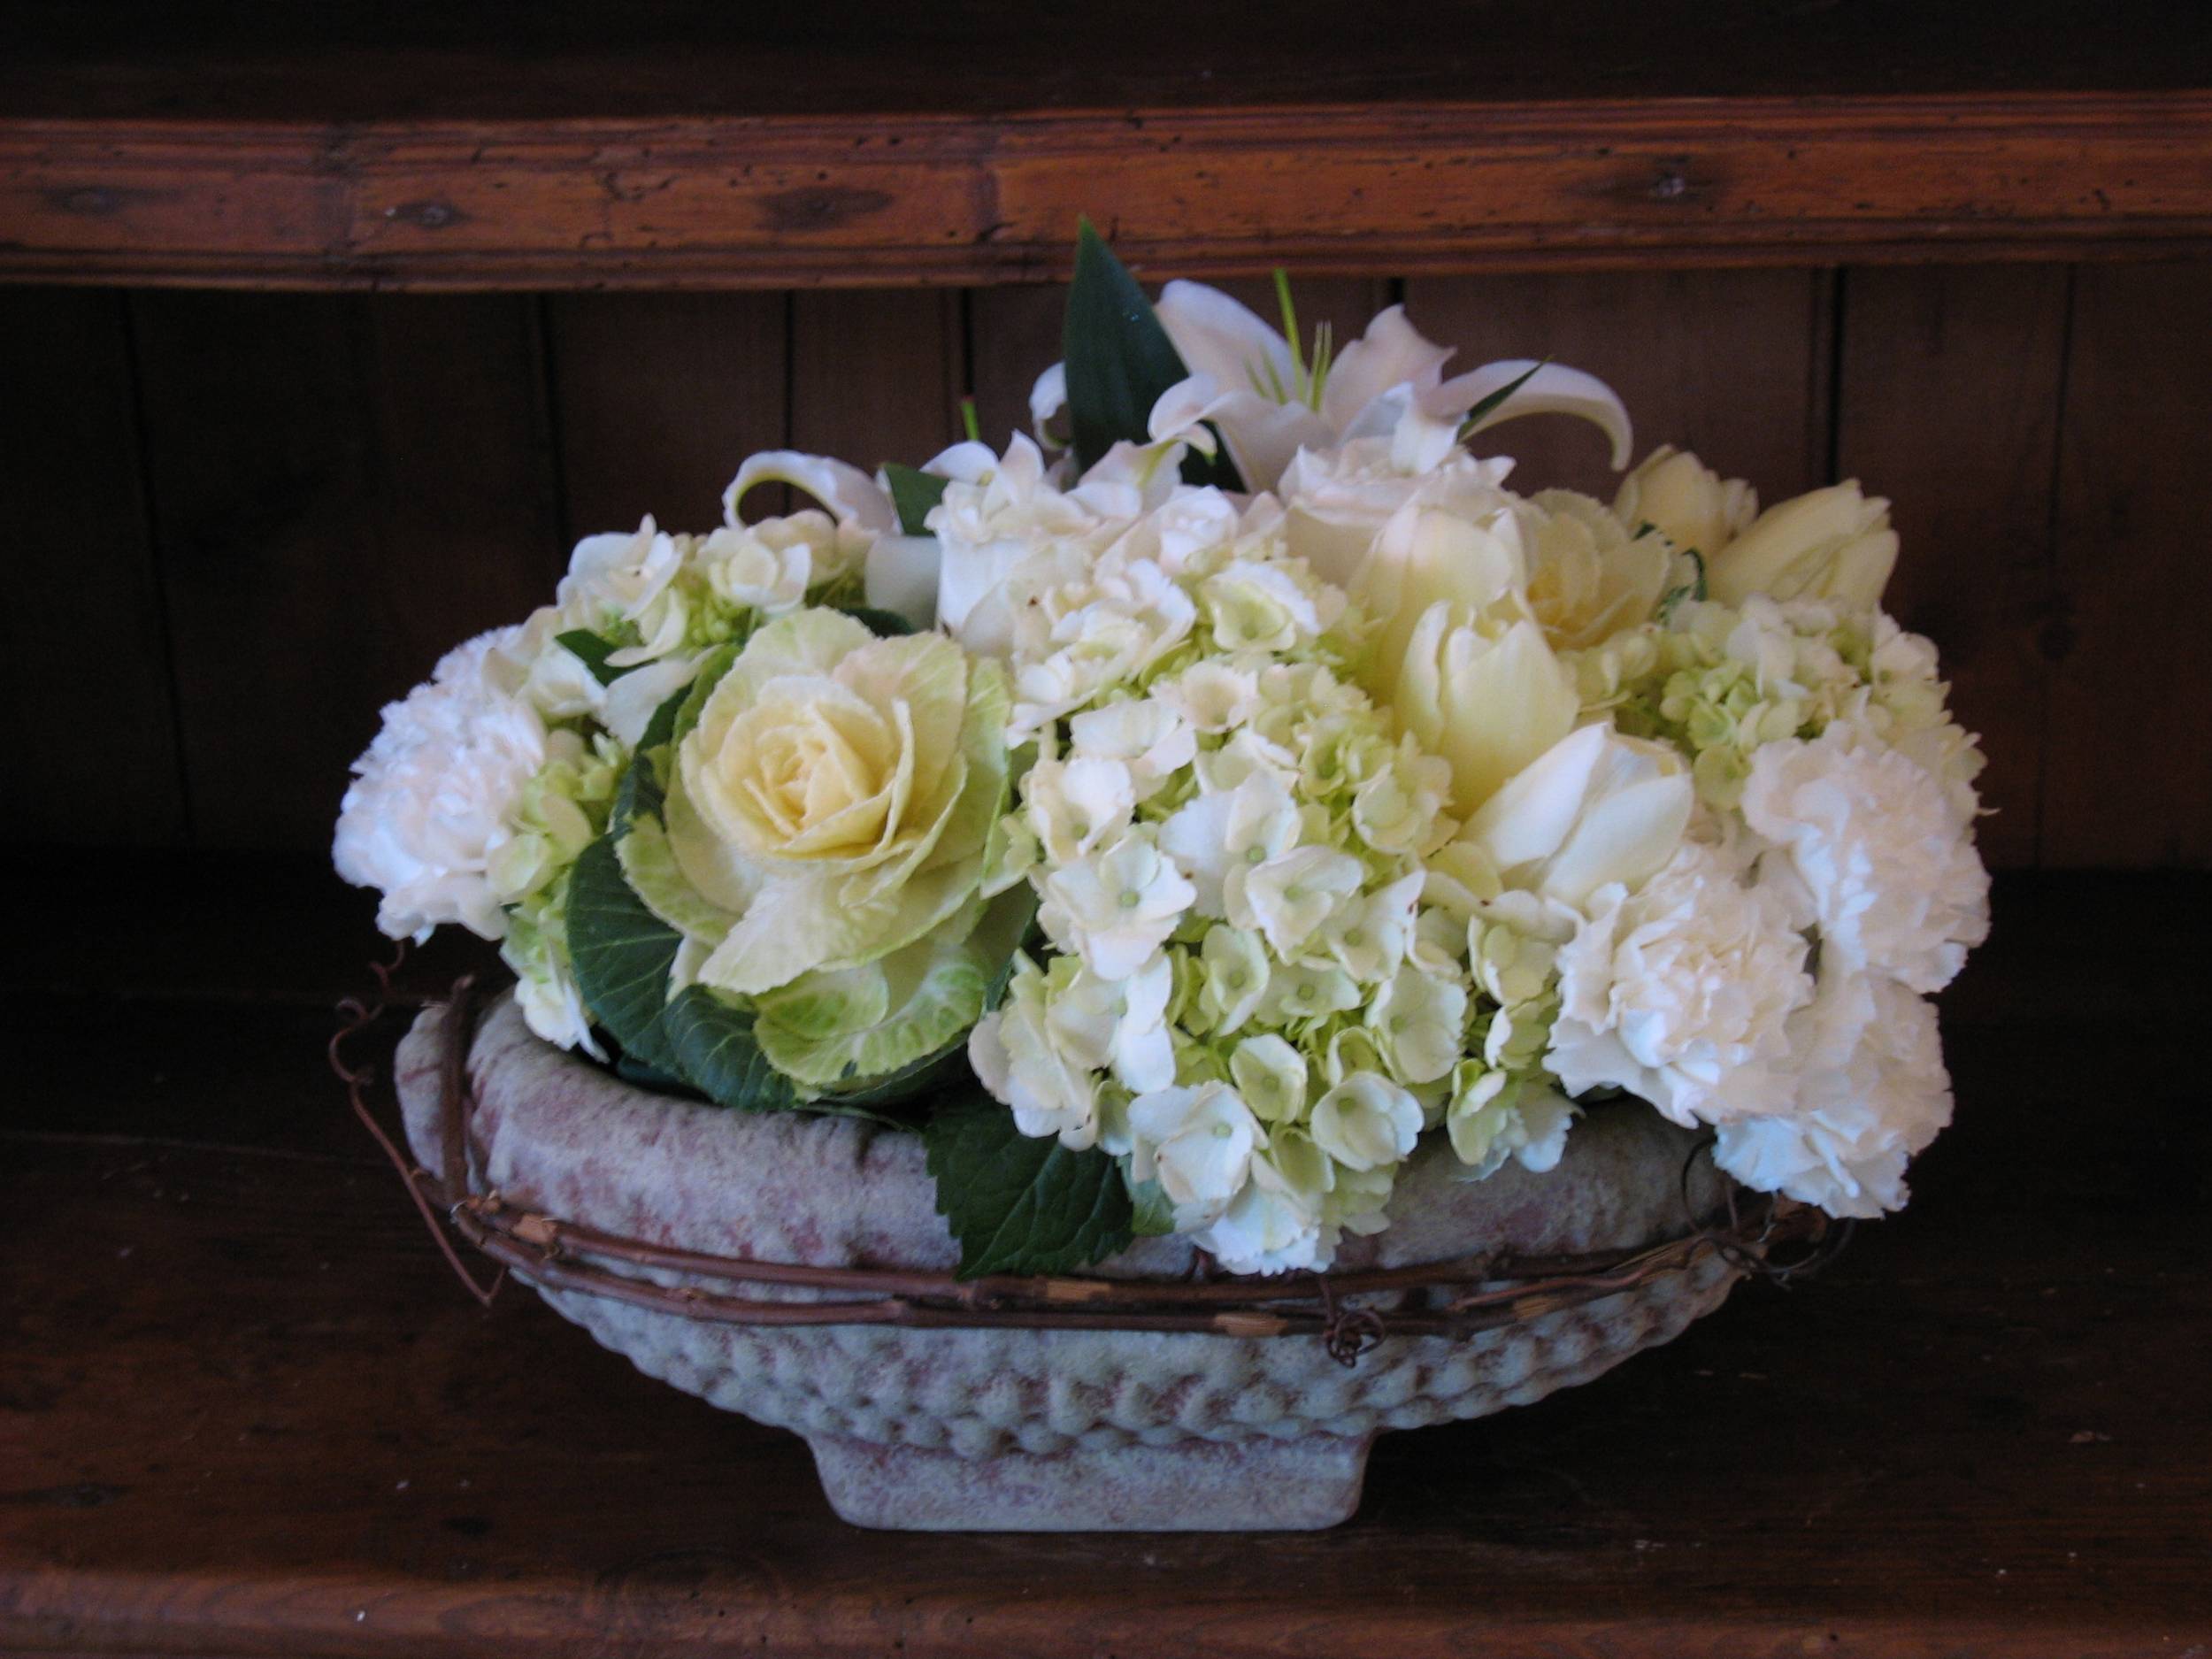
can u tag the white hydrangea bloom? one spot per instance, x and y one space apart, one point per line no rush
1681 993
1197 1143
1024 1058
1148 735
616 580
1870 847
770 565
1274 1225
1117 907
1366 1122
1872 1092
1119 1026
1087 635
1077 806
430 806
1287 897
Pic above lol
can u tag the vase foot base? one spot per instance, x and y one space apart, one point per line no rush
1187 1486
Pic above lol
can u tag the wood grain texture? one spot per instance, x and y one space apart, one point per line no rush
1974 1434
877 376
930 197
1731 365
96 741
343 493
658 397
1949 406
2128 775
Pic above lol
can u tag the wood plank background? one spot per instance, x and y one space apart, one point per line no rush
245 520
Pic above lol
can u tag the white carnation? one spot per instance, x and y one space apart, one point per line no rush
1873 1092
1870 847
430 803
1681 992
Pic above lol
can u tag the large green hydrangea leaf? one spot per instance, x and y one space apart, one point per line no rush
622 954
1020 1203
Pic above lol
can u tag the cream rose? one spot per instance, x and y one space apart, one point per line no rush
831 804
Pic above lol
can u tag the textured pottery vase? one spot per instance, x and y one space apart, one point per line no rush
1036 1431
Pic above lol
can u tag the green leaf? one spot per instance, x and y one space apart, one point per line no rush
704 681
593 652
1695 589
1475 415
914 492
641 790
1021 1203
714 1048
1119 360
631 1070
885 625
622 953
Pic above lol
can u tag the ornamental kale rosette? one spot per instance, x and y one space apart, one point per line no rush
1189 817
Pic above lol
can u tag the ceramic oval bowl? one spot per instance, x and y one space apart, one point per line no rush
1032 1430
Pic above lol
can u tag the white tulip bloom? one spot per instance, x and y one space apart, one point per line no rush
1686 501
1833 543
1596 809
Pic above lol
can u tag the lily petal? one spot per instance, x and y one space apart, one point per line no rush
1048 397
1392 353
1222 337
1262 435
848 492
1552 389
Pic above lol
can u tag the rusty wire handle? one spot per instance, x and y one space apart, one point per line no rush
357 1017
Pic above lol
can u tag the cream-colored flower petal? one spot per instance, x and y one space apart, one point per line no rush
847 491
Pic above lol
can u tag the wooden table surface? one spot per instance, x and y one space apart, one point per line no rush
244 1411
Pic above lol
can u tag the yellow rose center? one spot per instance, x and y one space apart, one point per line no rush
815 773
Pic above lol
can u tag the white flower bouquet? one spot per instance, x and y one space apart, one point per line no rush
1181 818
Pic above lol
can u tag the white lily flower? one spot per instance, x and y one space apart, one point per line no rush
1258 389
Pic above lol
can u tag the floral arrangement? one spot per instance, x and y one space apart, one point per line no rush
1238 782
